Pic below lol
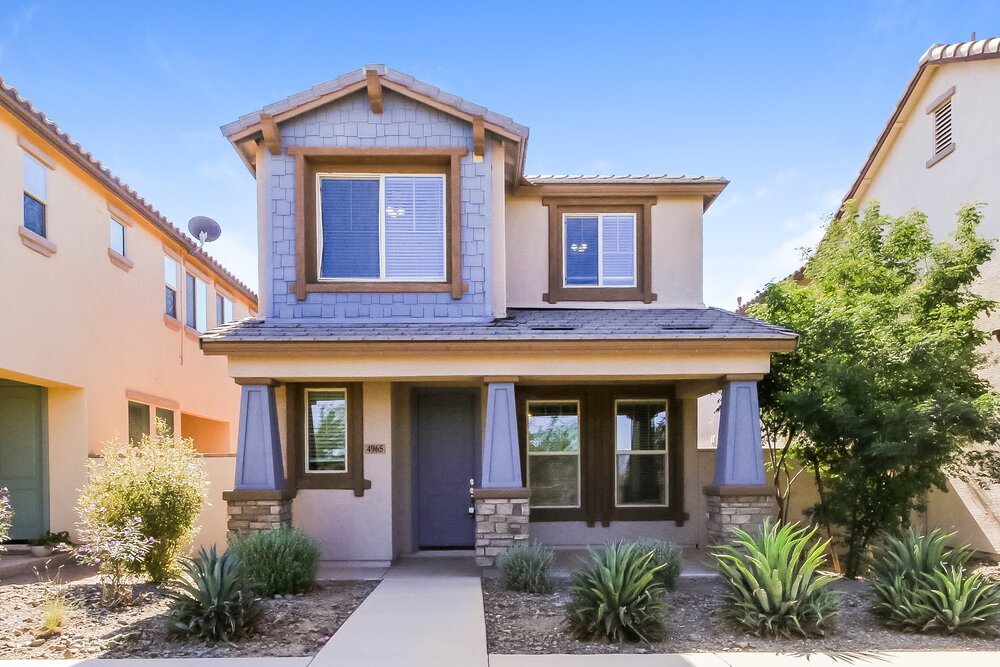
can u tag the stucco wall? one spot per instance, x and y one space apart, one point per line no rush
677 255
90 331
403 122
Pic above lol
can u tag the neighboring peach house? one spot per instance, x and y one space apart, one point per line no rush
936 153
453 355
103 302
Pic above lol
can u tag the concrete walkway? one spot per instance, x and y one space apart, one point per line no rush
427 612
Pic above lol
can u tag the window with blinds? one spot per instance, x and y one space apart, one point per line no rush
138 421
382 227
600 250
942 127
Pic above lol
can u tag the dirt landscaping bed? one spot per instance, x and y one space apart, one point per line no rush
293 626
523 623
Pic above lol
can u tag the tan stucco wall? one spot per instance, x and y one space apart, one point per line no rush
677 255
90 331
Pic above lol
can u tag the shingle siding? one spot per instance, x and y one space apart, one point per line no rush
350 122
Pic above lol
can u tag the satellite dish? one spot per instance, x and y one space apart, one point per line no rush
204 229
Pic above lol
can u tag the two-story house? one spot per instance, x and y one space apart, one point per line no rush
103 302
452 354
936 153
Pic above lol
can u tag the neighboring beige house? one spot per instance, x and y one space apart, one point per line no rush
454 355
103 302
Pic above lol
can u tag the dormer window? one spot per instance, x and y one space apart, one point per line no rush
600 249
381 227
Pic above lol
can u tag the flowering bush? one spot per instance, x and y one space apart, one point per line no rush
157 488
116 550
6 517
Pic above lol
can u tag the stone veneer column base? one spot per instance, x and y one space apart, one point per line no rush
501 522
257 511
743 507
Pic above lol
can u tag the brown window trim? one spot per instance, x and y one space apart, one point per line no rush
310 160
597 453
641 207
298 477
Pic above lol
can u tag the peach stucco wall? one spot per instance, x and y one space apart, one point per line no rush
677 254
91 331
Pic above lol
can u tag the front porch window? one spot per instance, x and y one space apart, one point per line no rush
326 430
641 453
554 453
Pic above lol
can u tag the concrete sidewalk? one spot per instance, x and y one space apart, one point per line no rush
427 612
747 659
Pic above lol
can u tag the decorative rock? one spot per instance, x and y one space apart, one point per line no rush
501 522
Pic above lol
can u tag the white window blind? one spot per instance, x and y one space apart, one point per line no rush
618 250
414 227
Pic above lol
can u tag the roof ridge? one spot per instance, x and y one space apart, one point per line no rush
134 198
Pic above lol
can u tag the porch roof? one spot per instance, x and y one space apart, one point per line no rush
521 324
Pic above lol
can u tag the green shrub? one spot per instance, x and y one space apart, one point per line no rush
526 568
161 480
617 597
667 554
213 602
771 585
6 517
278 562
920 584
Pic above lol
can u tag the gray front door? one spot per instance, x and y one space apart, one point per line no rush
22 457
447 446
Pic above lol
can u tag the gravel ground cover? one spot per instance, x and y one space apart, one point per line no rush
523 623
293 626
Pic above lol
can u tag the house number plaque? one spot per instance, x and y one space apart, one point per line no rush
375 449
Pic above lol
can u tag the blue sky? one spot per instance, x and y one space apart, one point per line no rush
783 98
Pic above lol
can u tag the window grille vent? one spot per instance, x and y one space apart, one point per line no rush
942 127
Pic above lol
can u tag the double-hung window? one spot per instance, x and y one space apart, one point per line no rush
116 240
171 269
223 310
381 227
35 193
554 453
640 453
599 250
196 315
138 421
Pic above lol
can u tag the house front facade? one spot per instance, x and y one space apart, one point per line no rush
453 355
104 301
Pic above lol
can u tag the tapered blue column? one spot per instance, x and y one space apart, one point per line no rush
501 451
739 459
258 448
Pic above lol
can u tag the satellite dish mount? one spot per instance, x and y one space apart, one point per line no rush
204 229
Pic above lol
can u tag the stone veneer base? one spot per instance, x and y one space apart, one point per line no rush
501 522
737 507
252 511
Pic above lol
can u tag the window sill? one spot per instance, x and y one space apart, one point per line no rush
36 242
171 322
945 152
191 332
121 261
377 287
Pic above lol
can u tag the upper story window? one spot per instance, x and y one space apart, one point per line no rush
116 239
196 294
223 310
600 249
943 143
171 270
35 194
378 227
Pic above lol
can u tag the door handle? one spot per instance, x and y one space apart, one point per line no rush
472 498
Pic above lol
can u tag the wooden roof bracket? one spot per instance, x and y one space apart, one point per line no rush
272 137
478 139
374 82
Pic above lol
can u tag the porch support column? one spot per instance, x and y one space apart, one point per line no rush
739 496
258 501
501 501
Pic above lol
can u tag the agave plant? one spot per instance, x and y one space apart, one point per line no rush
920 584
771 581
617 597
213 601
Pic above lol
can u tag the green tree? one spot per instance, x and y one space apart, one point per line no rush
881 399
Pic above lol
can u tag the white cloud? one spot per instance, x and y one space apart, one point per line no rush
16 26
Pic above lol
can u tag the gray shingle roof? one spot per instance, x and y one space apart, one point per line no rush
522 324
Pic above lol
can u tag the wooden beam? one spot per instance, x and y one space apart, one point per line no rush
374 90
272 137
478 139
